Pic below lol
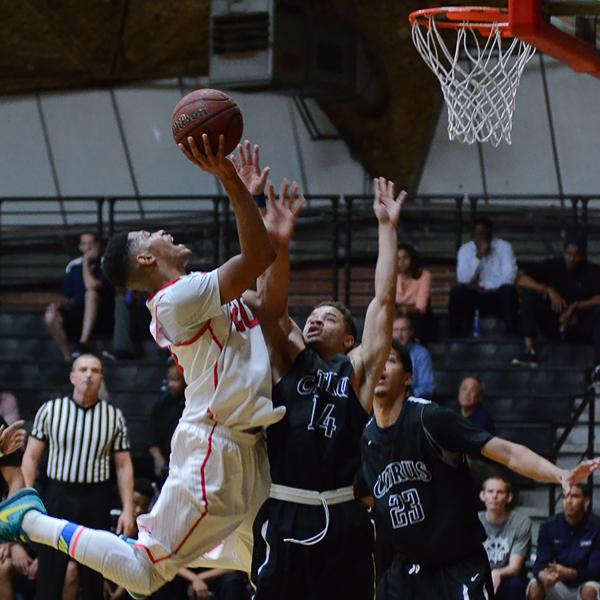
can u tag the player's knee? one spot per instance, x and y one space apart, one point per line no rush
5 569
588 592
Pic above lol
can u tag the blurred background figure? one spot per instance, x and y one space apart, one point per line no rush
86 302
423 380
164 418
413 294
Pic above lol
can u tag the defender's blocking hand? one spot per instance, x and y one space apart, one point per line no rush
386 208
248 168
282 211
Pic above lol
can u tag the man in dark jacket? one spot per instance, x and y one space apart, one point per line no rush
568 554
561 297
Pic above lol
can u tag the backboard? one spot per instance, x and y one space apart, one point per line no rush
568 30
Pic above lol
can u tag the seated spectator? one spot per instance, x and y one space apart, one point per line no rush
86 302
567 566
413 294
508 540
423 381
9 407
486 269
561 298
470 400
163 420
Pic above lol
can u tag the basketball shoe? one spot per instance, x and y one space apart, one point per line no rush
12 512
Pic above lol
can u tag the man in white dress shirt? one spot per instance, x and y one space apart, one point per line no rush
486 270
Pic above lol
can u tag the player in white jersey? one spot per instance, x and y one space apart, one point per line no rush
218 471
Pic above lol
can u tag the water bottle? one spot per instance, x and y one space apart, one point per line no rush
476 330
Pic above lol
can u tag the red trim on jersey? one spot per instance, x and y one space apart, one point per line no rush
179 367
162 287
75 541
216 367
196 337
204 513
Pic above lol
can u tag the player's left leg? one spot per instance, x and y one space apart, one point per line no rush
470 579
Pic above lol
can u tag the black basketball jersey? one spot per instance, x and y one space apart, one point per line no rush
419 477
316 446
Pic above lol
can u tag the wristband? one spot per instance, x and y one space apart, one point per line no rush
261 200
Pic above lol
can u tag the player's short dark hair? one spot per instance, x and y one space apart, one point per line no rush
116 260
403 355
346 315
484 222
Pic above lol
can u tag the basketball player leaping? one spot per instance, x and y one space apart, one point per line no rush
218 466
312 538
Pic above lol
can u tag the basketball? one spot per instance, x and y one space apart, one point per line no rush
211 112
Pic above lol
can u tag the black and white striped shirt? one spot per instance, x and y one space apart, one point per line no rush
79 439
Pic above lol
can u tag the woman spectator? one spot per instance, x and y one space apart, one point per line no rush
413 294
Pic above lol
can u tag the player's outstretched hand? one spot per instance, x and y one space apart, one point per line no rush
215 164
12 437
248 168
579 473
282 212
386 208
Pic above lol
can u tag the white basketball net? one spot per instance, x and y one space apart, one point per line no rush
480 93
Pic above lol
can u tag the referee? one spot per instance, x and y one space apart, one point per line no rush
80 433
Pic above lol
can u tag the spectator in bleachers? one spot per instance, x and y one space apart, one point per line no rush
164 418
413 294
508 540
486 270
86 302
470 400
423 380
9 407
567 566
78 470
561 298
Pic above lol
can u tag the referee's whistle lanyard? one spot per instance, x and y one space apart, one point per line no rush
312 498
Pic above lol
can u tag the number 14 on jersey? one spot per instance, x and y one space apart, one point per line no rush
326 420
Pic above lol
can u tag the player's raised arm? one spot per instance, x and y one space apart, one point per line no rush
256 253
369 358
524 461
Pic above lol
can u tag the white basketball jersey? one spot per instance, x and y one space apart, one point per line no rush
220 349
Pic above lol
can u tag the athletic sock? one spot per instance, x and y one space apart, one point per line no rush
100 550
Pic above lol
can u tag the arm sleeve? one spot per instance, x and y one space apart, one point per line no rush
452 432
509 265
467 264
423 291
592 570
40 423
544 550
187 305
121 441
522 540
